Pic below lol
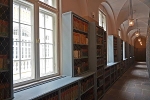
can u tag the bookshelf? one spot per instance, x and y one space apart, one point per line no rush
6 85
87 88
75 44
105 48
70 92
97 56
115 41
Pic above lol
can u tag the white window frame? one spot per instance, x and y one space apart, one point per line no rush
37 4
102 20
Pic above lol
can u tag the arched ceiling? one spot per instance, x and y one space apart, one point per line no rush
120 10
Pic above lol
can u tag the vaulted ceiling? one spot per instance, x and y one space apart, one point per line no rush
119 11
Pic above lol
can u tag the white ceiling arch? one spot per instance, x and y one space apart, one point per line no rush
141 12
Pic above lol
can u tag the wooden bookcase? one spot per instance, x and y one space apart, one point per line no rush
115 42
97 56
75 44
6 82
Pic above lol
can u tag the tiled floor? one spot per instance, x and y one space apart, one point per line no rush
134 84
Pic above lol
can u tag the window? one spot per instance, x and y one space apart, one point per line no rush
102 20
22 25
110 57
50 2
34 47
124 51
46 46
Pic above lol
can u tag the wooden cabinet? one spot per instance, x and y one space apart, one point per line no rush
6 85
75 44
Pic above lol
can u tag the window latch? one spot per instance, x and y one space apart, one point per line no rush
37 40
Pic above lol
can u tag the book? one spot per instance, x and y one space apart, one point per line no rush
1 63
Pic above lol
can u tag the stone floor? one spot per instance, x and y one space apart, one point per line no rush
134 84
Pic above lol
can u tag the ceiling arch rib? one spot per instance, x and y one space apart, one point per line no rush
111 16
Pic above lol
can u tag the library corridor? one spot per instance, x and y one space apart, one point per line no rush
134 84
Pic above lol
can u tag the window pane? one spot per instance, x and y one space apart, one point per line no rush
25 15
49 66
22 44
42 67
42 50
42 36
25 69
50 2
41 20
26 33
15 32
48 36
16 70
16 51
48 22
49 51
16 12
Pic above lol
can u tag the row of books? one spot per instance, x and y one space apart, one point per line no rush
100 72
99 31
80 68
115 52
70 92
100 61
3 62
53 96
100 93
80 25
99 40
107 72
115 59
100 82
99 52
87 83
89 95
4 2
80 53
80 38
4 91
3 28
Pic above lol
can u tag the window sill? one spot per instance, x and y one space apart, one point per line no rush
110 64
40 90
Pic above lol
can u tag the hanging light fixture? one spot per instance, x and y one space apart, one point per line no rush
137 33
141 42
131 20
139 39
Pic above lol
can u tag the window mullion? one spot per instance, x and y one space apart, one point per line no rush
19 44
37 44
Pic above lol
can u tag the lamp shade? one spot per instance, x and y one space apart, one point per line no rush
137 34
139 39
131 22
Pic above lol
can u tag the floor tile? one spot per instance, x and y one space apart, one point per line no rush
134 84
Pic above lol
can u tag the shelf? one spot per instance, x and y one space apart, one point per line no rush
81 44
80 58
100 97
99 44
99 56
100 86
99 35
87 90
100 65
3 70
76 30
99 76
1 4
4 36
